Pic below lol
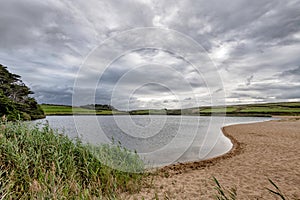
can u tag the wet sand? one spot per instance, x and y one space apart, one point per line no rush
260 151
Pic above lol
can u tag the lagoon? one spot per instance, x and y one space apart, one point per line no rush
160 140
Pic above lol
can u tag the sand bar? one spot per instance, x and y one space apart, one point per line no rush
260 151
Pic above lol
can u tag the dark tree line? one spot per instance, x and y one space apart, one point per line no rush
98 107
15 102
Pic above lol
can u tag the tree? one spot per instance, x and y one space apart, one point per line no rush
15 102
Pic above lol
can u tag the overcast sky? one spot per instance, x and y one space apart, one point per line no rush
253 47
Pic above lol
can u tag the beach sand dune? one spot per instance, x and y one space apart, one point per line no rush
261 151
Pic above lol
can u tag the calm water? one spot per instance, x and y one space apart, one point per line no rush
159 140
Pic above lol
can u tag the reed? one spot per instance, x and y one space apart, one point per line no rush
37 162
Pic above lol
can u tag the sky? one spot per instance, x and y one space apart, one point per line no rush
137 54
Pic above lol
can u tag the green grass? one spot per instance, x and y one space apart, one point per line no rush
292 108
62 110
148 112
38 163
218 110
271 109
69 110
267 109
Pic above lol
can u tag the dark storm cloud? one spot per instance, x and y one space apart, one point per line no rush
255 45
292 72
269 86
56 95
269 92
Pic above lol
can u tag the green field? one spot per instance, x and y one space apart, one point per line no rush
217 110
148 112
69 110
263 110
267 109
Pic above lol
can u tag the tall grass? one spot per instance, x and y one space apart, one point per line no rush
222 193
37 162
276 191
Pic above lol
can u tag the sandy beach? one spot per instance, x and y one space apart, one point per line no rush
260 151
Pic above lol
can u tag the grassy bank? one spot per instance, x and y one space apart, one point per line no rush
69 110
267 109
37 163
263 110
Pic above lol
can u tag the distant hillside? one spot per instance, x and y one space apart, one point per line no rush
260 110
263 110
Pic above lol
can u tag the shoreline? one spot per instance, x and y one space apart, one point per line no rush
178 168
198 164
260 151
